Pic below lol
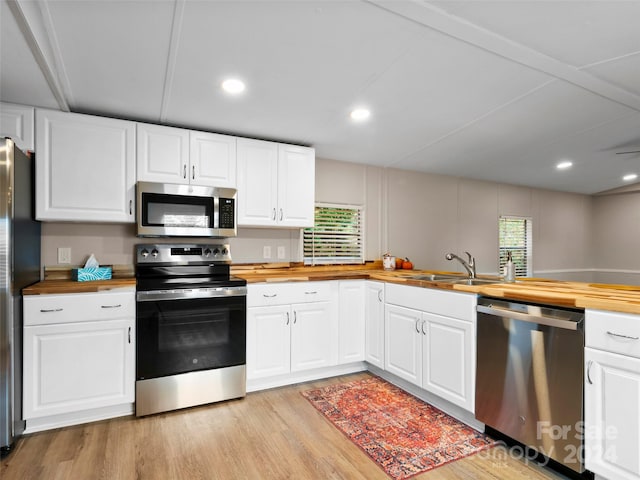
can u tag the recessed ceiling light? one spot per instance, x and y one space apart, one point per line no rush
564 165
360 114
629 177
233 86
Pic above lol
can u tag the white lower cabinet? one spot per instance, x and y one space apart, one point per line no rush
352 321
79 356
448 354
374 323
291 328
313 336
403 343
428 348
612 395
268 341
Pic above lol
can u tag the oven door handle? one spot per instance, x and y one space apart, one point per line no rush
190 294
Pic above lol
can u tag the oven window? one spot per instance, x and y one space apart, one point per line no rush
162 210
180 336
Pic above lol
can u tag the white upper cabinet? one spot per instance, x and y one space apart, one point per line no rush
176 155
213 159
85 168
296 185
163 154
16 122
276 184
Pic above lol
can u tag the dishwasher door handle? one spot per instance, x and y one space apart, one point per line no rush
527 317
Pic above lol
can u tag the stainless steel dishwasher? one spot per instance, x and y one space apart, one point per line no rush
529 379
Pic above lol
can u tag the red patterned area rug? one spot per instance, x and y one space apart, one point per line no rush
402 434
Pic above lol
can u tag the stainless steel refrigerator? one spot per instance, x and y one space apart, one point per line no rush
19 268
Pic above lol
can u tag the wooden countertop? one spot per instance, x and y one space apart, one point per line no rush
47 287
617 298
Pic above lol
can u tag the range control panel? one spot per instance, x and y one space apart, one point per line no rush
183 254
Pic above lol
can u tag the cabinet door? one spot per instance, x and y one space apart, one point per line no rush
351 320
257 182
612 415
163 154
314 336
16 122
268 341
448 357
374 323
77 366
85 168
403 343
213 160
296 186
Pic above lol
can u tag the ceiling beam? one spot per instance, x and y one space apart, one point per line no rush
33 26
172 55
422 13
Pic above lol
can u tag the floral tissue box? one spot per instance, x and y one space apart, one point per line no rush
88 274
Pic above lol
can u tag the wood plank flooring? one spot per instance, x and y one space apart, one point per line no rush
273 434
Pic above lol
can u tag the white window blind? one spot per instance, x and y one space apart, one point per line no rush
515 236
336 236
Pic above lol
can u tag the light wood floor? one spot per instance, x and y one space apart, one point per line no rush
274 434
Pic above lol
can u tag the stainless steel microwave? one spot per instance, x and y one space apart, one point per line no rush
172 210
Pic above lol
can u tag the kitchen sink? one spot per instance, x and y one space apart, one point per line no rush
476 281
437 277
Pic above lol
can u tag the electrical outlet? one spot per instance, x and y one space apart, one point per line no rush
266 251
64 255
281 252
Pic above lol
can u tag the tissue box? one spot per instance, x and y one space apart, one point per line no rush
88 274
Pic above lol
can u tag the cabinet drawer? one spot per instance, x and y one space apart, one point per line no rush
78 307
613 332
263 294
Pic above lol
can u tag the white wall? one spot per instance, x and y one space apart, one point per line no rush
616 237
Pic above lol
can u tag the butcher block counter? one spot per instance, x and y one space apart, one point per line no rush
48 287
617 298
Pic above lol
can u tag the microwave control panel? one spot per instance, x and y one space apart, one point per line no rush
226 218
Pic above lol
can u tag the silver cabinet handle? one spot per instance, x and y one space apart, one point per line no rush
274 213
380 296
129 334
50 310
416 325
269 296
628 337
310 293
589 363
422 328
287 318
280 214
295 317
193 172
184 171
111 306
130 207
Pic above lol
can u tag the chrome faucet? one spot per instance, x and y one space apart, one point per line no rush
469 266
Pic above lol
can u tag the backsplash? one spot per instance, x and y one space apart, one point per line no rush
113 244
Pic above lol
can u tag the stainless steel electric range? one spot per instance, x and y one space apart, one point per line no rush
191 327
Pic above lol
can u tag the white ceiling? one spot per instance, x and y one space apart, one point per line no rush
491 90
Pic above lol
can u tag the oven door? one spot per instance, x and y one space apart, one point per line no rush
186 332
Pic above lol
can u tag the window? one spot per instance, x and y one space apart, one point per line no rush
515 236
336 236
